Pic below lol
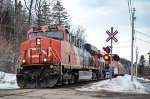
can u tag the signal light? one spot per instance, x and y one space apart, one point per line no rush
106 57
106 49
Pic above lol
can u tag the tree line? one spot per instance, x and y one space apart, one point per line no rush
143 66
17 16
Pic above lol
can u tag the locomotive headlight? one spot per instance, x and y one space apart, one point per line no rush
38 41
45 59
23 61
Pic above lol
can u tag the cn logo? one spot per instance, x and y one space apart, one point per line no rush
38 54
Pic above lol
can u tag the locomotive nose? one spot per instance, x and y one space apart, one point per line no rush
40 50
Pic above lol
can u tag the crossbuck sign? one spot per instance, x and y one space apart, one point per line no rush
111 35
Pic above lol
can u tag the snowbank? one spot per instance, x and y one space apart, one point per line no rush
119 84
8 81
144 79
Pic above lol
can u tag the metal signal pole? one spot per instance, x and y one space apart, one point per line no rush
111 46
136 69
132 39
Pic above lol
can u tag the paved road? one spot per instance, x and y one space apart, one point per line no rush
66 93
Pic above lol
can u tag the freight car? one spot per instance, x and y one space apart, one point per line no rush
119 69
52 56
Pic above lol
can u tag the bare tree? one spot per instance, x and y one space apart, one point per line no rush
6 55
80 32
12 17
29 8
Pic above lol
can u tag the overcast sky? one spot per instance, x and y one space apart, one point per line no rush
97 16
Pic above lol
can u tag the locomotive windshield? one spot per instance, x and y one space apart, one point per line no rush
54 34
31 35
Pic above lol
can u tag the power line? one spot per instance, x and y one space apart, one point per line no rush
143 40
142 33
133 3
129 7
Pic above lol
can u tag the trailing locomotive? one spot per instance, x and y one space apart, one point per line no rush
52 56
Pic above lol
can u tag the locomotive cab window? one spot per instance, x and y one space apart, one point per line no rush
32 35
59 35
67 36
73 40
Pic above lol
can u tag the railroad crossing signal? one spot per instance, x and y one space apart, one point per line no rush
106 57
111 35
106 49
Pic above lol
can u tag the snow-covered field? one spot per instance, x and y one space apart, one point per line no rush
8 81
119 84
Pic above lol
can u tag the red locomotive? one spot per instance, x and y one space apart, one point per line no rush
52 56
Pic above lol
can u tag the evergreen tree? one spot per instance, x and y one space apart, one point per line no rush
46 18
59 15
43 13
141 65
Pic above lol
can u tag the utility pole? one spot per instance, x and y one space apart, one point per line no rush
136 69
149 58
132 39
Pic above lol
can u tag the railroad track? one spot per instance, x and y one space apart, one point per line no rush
22 92
16 92
78 84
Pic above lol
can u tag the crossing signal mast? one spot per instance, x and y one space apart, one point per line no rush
111 37
107 57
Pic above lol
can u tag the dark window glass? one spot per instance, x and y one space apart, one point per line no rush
39 34
73 40
32 35
55 34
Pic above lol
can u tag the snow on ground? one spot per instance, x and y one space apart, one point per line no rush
144 79
8 81
119 84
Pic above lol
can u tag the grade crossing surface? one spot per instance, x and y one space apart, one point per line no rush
68 93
